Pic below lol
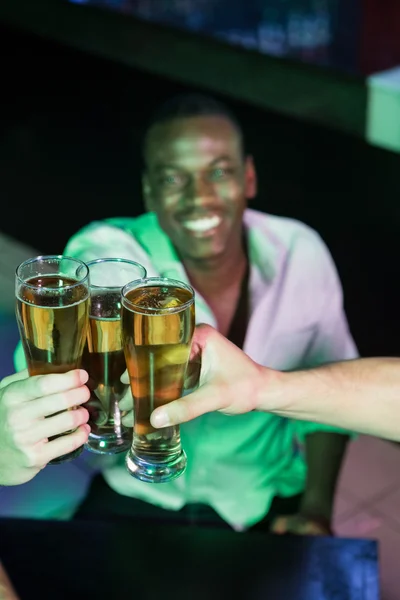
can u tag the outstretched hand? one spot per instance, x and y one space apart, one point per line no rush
229 381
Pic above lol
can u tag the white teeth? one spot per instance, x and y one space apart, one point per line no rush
203 224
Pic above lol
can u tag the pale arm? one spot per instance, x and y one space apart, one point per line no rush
360 395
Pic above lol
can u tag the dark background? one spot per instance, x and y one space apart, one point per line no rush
70 132
360 36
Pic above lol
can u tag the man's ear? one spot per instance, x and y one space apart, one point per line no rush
146 190
250 177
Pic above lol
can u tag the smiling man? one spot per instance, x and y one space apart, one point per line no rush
267 283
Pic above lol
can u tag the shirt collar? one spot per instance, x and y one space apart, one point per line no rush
264 251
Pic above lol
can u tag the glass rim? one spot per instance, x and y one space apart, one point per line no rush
47 257
135 284
115 260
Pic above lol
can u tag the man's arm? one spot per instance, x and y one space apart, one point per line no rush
360 395
324 453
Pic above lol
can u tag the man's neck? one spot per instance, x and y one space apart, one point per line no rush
211 277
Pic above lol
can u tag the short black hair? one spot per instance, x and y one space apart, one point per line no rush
188 105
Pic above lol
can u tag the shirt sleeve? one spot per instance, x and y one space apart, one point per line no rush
332 340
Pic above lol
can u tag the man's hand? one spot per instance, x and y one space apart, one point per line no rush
300 525
126 403
229 381
33 409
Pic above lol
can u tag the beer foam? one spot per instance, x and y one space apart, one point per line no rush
160 299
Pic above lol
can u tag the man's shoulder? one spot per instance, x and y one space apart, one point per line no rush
129 224
115 236
104 230
286 231
133 224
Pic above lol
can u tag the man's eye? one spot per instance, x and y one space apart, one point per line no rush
219 173
170 180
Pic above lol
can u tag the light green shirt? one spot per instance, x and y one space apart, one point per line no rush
238 464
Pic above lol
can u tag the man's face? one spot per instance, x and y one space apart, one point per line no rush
198 183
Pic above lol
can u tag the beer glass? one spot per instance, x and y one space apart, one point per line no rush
104 358
158 319
52 312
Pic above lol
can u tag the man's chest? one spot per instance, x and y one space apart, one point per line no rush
231 311
274 325
225 311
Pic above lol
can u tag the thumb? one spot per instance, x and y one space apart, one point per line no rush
200 401
185 409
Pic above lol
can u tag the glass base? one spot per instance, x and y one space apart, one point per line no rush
109 443
155 472
67 457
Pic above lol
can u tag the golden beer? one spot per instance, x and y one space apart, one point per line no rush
104 355
52 312
158 319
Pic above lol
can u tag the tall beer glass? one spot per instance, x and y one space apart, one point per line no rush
158 319
52 311
104 357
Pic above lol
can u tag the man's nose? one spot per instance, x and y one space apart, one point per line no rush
200 189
